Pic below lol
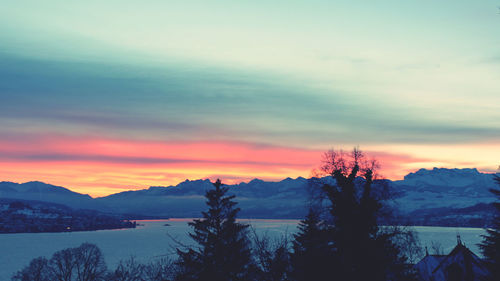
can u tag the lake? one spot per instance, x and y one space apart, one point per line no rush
152 239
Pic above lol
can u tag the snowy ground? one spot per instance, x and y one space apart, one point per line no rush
153 239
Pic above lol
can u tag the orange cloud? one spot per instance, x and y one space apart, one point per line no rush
100 166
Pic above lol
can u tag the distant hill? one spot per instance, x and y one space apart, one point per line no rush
432 197
39 191
21 216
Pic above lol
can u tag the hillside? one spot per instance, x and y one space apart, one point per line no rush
20 216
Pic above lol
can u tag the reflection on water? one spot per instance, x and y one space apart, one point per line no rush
152 239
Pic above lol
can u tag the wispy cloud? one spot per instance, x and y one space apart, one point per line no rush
156 102
136 164
91 87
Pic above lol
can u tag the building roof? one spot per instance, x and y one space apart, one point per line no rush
426 266
472 266
461 261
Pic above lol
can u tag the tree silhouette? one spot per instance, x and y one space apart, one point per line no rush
37 270
127 270
312 253
272 257
62 264
223 251
84 263
89 263
361 249
491 241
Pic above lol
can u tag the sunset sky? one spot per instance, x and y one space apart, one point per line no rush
107 96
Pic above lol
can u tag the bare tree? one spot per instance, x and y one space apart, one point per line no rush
84 263
89 263
62 264
436 248
354 163
131 270
160 270
272 257
408 242
128 270
37 270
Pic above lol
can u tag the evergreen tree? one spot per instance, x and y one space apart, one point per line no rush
361 250
312 255
491 242
223 251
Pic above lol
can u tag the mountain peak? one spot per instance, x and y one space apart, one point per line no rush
37 182
446 177
444 171
255 181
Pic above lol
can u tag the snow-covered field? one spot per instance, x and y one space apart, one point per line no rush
153 239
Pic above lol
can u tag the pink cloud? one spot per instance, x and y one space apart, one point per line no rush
101 166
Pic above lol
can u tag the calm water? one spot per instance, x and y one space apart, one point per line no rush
153 239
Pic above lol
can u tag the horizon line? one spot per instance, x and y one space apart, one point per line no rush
232 183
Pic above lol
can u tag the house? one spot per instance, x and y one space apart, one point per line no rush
461 264
426 266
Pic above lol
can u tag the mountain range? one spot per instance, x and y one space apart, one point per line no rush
439 196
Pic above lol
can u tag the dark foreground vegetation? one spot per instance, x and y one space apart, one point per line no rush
340 239
491 242
18 216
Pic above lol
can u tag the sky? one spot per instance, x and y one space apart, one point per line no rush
107 96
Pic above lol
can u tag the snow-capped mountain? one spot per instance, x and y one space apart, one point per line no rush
257 199
463 180
438 188
448 193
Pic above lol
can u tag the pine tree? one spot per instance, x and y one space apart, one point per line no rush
491 241
312 255
223 251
